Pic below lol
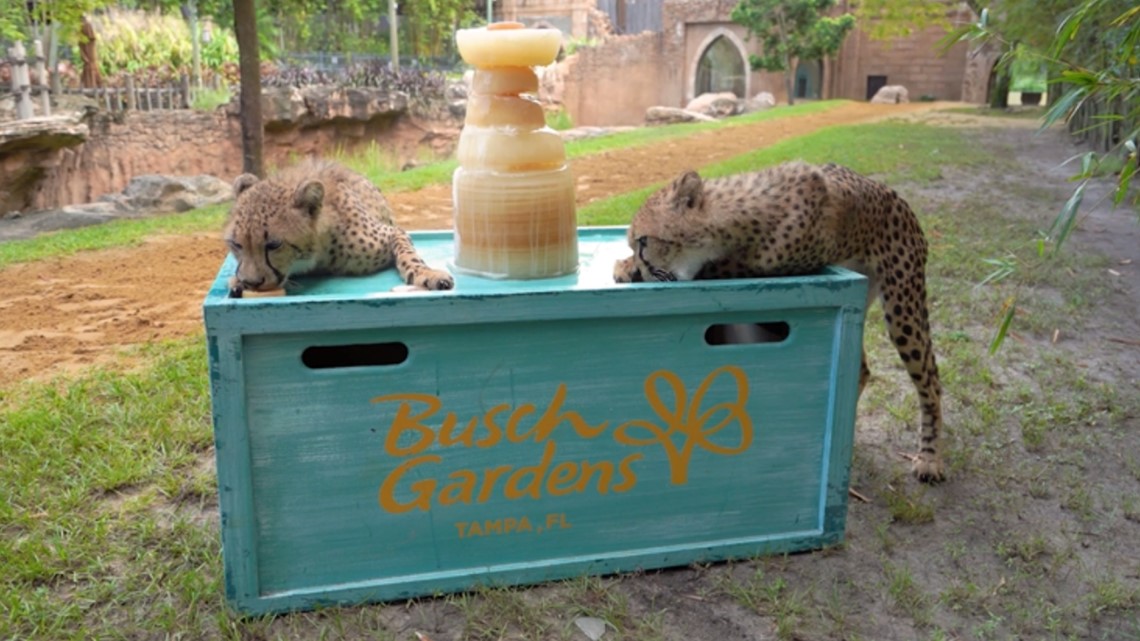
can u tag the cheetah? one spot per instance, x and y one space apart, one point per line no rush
317 217
793 219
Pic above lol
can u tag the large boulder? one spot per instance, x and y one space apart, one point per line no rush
310 106
149 194
673 115
891 95
761 101
717 105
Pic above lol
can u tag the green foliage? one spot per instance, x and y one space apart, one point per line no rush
574 44
888 20
791 29
1095 58
12 21
135 42
1029 73
207 99
431 24
16 18
559 120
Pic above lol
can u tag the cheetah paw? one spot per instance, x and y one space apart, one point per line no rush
928 468
434 279
624 270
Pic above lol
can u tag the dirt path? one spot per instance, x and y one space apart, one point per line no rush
60 315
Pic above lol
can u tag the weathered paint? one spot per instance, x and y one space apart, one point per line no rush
536 430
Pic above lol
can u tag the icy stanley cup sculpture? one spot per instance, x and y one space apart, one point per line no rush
513 193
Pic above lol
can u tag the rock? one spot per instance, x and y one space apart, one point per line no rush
717 105
309 106
761 101
150 194
891 95
673 115
455 94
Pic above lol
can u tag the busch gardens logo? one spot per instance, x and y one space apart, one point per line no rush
682 425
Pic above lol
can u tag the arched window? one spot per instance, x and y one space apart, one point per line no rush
721 68
809 79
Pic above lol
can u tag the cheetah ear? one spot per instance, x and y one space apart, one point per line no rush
244 182
309 196
689 191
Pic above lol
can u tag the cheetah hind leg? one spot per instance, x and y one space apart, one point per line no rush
928 465
909 329
412 269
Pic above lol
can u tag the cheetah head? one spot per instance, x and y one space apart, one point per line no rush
271 231
669 235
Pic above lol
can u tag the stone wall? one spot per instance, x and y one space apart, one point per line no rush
572 17
118 147
614 82
915 63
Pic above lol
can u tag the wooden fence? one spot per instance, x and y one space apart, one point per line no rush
130 97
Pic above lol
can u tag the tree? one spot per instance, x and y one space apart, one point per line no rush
432 24
249 63
790 31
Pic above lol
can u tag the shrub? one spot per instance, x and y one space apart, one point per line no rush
156 46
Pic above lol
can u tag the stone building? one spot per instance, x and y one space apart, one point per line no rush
684 48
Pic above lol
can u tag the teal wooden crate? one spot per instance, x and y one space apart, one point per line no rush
375 446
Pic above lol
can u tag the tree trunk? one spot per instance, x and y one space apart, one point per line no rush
394 36
190 10
790 85
249 63
999 97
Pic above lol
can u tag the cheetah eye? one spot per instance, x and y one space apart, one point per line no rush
642 241
233 245
271 245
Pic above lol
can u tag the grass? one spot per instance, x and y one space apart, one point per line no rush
923 155
108 526
390 179
373 162
116 233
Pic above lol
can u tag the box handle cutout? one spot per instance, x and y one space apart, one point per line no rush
747 333
361 355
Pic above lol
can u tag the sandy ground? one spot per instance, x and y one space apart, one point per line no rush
60 315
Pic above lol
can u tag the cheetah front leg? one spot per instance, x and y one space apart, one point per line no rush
412 269
905 311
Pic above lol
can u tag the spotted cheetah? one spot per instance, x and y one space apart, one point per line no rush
317 217
795 219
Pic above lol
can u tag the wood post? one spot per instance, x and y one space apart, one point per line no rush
21 84
252 132
186 100
41 76
132 95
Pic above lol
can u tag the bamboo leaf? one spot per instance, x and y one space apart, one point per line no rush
1009 310
1125 181
1067 218
1064 106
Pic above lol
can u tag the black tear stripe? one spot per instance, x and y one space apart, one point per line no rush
280 277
